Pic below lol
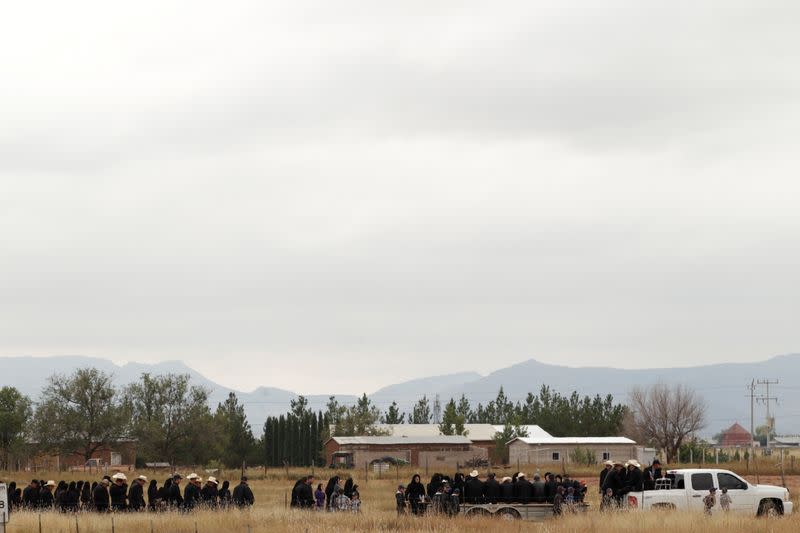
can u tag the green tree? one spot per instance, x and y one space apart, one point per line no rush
501 440
237 436
359 419
452 421
80 413
393 416
15 413
421 414
171 419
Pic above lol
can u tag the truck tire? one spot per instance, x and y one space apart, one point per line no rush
770 508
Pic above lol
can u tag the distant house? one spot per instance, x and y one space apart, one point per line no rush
544 450
437 451
735 435
121 453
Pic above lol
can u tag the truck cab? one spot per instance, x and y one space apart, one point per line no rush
686 489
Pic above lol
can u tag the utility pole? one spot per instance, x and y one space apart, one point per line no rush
752 388
767 399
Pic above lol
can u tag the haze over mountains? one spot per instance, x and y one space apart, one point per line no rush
722 385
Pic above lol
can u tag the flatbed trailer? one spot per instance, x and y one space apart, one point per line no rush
532 512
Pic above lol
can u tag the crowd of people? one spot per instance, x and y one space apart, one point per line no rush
444 495
618 479
114 494
334 498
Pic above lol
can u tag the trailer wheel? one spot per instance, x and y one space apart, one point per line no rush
478 512
508 513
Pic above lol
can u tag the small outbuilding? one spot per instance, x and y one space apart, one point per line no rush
550 450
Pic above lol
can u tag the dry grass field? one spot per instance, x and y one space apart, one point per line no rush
378 514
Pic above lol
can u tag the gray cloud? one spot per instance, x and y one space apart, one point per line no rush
422 188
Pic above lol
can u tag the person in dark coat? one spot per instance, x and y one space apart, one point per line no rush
550 487
348 488
523 489
118 492
136 494
633 481
295 498
100 497
458 483
507 490
86 496
174 498
191 494
31 496
615 480
70 500
163 493
473 488
305 493
11 490
651 474
58 494
415 494
329 488
152 495
539 495
46 497
491 489
224 495
434 485
609 465
243 496
208 494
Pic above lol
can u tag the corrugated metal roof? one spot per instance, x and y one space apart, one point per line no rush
439 439
575 440
533 431
475 432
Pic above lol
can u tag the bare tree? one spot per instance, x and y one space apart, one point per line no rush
666 416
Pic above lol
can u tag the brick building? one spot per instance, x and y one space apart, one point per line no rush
735 435
434 451
121 453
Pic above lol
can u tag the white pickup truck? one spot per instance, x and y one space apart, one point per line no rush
684 489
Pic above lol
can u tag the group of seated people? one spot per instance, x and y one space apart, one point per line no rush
113 493
445 496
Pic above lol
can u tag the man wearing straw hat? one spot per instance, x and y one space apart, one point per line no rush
209 493
119 492
136 494
191 495
609 465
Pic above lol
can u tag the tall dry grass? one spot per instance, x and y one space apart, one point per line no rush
378 514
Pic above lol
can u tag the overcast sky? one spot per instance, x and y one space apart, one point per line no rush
334 196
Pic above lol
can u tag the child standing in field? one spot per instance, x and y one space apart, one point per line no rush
710 500
725 500
319 498
355 501
400 498
608 502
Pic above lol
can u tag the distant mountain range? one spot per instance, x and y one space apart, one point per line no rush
722 385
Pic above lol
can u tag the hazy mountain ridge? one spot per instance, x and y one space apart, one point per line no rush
722 385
